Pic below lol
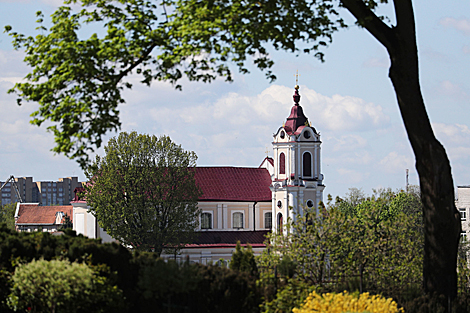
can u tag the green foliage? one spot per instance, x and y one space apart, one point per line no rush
148 283
168 286
78 81
7 215
358 243
290 296
61 286
243 260
143 192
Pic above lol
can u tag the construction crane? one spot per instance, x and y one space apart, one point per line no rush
13 182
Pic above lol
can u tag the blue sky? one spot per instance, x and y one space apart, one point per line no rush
349 100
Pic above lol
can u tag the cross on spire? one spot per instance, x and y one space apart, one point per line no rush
297 79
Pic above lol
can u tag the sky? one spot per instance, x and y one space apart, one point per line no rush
349 99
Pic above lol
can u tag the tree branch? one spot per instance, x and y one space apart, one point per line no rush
368 19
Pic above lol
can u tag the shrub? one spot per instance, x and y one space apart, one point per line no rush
61 286
345 302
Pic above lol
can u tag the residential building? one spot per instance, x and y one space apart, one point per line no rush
463 206
58 192
31 217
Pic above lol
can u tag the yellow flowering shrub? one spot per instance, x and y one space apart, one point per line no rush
345 302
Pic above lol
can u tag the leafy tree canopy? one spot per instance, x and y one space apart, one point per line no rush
7 215
78 81
143 192
335 250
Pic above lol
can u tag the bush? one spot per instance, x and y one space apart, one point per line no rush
61 286
193 288
344 302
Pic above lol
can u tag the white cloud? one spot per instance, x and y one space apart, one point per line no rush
448 88
466 49
349 142
376 62
456 140
395 163
352 176
462 25
452 133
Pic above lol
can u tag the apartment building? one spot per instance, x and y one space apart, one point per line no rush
59 192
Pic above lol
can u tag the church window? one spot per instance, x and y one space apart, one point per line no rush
279 204
279 222
282 134
206 220
282 163
307 134
268 220
307 164
237 220
309 203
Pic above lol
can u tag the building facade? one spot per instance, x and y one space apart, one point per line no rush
59 192
463 206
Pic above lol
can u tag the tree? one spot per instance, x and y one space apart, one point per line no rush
143 192
61 286
243 260
334 250
67 224
7 215
78 82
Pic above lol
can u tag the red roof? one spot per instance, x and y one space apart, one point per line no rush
36 214
234 184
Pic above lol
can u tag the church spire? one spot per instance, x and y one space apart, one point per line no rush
296 118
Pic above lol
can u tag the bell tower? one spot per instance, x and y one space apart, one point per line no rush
297 181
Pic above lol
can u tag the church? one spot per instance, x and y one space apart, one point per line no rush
244 204
237 203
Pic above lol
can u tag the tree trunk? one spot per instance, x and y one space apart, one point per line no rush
441 218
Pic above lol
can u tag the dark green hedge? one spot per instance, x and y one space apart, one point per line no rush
148 283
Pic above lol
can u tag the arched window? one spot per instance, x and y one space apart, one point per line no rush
307 164
206 220
282 163
268 220
279 222
237 220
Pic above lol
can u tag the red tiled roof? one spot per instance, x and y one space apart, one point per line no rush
36 214
228 238
233 183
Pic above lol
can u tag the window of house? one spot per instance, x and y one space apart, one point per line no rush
206 220
268 220
282 163
463 214
307 164
237 220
